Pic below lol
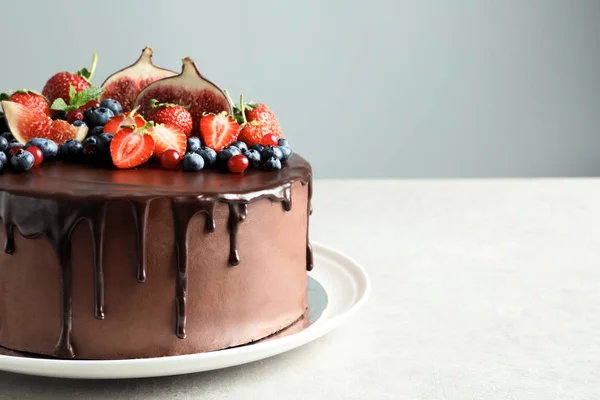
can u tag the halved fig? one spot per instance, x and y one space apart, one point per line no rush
191 89
125 85
26 124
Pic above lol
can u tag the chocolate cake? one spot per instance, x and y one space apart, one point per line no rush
147 232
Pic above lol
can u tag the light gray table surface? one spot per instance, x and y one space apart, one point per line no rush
482 289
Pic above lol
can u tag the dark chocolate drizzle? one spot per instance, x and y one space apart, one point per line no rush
36 205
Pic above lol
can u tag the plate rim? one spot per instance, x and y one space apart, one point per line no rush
88 369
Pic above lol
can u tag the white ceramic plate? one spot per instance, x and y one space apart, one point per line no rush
337 288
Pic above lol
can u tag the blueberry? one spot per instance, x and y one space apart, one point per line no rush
103 142
3 143
97 116
283 143
225 154
90 150
78 123
2 165
22 161
14 144
209 156
240 145
253 158
192 162
3 158
193 144
9 136
71 149
272 164
90 140
112 105
271 151
47 146
258 147
286 151
59 115
97 130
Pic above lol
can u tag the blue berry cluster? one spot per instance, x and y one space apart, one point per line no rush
269 158
14 156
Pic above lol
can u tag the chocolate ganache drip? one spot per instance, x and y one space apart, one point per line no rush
54 214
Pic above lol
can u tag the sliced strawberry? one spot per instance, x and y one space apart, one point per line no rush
61 131
25 123
131 147
115 124
218 130
168 137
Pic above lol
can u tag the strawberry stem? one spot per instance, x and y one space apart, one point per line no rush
94 63
242 108
229 98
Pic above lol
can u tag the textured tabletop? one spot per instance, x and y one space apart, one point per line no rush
481 290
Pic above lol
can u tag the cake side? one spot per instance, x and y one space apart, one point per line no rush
225 305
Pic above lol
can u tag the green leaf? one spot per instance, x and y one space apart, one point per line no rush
4 96
72 93
59 104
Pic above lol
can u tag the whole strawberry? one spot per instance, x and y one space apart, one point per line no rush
59 84
171 114
256 120
29 99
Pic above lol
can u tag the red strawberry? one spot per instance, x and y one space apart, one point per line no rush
168 137
171 114
29 99
218 130
256 121
58 85
131 147
114 125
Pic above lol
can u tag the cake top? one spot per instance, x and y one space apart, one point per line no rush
140 115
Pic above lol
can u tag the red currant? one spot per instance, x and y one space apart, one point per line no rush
38 156
90 104
269 140
75 115
170 159
238 163
13 150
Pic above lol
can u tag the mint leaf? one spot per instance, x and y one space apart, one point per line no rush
72 93
92 93
4 96
59 104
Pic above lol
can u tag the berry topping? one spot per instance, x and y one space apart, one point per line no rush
171 114
3 143
283 143
112 105
91 151
60 114
38 156
115 124
286 152
272 164
192 162
74 115
269 140
131 147
12 150
240 145
271 151
258 147
9 136
253 158
256 121
97 130
170 159
168 137
71 149
218 130
59 85
22 161
79 123
3 159
209 156
90 140
224 155
90 104
238 163
98 116
193 144
48 147
103 142
29 99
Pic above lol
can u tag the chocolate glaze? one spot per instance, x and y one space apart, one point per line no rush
51 200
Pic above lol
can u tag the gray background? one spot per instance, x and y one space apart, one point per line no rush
362 88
